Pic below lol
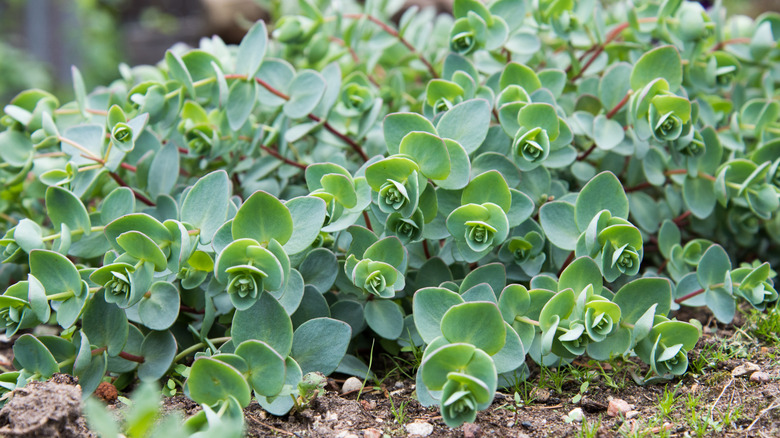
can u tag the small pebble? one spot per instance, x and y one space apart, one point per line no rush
540 395
510 424
527 424
576 414
617 407
632 414
760 377
419 428
351 384
331 416
745 368
470 430
372 433
399 384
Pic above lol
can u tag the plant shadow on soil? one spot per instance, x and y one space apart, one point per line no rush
707 401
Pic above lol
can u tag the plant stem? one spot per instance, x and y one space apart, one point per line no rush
620 105
395 33
585 154
368 221
611 36
566 263
279 156
94 229
123 354
138 196
526 320
192 349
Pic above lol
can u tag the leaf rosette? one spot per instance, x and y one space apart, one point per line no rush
477 229
295 29
397 184
601 318
467 35
247 268
666 348
408 230
530 148
574 338
667 116
120 284
755 285
467 378
525 252
15 311
374 277
356 96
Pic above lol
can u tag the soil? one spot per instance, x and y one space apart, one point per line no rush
735 405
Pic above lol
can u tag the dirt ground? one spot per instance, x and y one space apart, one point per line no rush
720 396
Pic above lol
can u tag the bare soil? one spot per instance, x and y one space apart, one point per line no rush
708 401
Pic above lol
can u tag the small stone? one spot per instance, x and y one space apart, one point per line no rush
745 368
471 430
510 424
618 407
372 433
631 414
399 384
576 414
368 405
527 424
352 384
540 395
331 416
760 377
419 428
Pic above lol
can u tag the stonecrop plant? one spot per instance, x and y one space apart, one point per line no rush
521 180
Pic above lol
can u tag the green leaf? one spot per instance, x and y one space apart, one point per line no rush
265 321
699 196
80 91
267 368
242 97
308 214
206 205
558 222
55 272
319 344
64 207
540 115
581 273
662 62
458 322
212 381
178 72
397 125
603 192
262 217
161 309
607 133
639 295
119 202
252 49
34 357
140 222
429 306
467 123
385 318
164 171
105 324
513 302
319 269
306 90
429 152
558 308
519 74
460 168
494 274
141 247
488 187
158 351
713 267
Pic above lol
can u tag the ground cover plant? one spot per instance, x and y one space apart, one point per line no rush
517 181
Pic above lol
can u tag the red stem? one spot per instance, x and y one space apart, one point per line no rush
277 155
368 222
566 263
425 249
679 219
611 36
123 354
689 296
138 196
620 105
585 154
395 33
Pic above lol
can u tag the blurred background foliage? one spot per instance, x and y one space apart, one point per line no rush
41 39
